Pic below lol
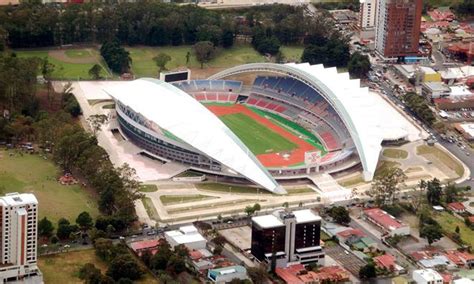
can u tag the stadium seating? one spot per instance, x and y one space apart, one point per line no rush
209 85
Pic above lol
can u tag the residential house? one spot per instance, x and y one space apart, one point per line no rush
457 207
427 276
389 224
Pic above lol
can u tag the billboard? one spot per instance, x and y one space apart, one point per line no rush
312 158
175 76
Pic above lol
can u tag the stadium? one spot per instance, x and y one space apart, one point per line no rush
261 122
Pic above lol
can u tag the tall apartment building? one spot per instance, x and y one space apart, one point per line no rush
397 32
288 237
18 237
367 17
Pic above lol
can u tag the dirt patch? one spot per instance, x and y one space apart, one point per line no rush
272 159
60 54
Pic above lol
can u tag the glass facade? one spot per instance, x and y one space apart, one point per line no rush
307 235
267 241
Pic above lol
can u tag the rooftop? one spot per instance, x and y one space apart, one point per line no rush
384 219
267 221
456 206
305 216
428 274
18 199
185 235
148 244
386 261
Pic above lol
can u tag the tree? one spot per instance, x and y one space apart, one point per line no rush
96 121
218 250
249 210
161 60
45 228
433 191
368 271
116 57
340 215
256 207
359 65
84 220
285 204
103 248
257 274
268 45
65 229
204 51
431 233
451 193
227 38
386 185
95 71
124 266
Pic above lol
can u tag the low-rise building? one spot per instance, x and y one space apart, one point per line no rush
467 131
226 274
387 222
427 276
460 258
297 274
457 207
434 90
388 262
148 245
188 236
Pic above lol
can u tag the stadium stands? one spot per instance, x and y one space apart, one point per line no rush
211 90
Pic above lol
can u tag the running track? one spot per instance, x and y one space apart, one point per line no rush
271 159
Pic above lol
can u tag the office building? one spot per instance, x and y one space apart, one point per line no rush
397 32
287 237
18 237
367 17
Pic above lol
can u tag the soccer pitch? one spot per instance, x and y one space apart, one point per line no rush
258 138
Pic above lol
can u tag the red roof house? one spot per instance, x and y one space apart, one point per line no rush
387 222
457 207
386 261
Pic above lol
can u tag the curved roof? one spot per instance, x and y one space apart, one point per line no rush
368 117
177 112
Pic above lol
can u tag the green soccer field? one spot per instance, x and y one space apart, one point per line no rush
256 137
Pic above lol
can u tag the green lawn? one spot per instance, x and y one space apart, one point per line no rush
228 188
148 188
352 181
150 208
63 70
31 173
64 267
395 153
441 156
294 127
292 53
144 66
169 199
256 137
78 53
449 222
384 165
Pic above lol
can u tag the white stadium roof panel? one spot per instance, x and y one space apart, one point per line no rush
183 116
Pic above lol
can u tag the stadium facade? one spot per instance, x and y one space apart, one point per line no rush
170 122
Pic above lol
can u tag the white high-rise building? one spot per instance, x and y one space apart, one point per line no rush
18 238
368 12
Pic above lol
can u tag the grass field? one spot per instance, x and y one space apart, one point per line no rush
294 127
170 199
62 69
220 187
64 267
256 137
31 173
78 53
441 156
352 181
449 222
395 153
150 208
144 66
148 188
384 165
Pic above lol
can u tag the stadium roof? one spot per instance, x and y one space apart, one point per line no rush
177 112
368 117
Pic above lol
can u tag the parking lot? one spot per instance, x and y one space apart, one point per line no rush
240 237
349 261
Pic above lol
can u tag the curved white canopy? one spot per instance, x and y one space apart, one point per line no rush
183 116
368 117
